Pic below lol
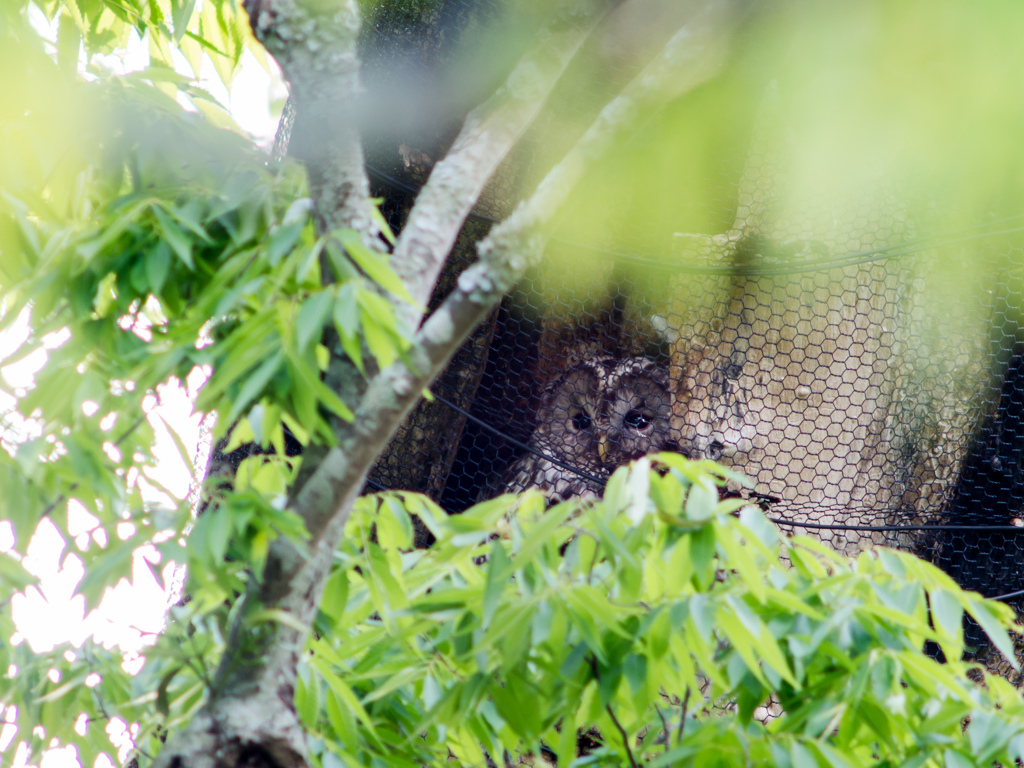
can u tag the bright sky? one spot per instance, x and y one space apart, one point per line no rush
130 614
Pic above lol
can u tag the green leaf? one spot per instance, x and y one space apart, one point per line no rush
217 533
499 569
953 759
282 240
509 696
984 612
181 14
313 315
378 341
105 570
335 597
391 595
375 265
701 500
174 237
307 696
947 617
346 320
73 684
744 644
280 616
310 378
12 574
345 696
382 223
394 525
158 265
801 756
254 385
342 721
738 557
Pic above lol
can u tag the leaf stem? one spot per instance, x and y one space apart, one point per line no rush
625 736
682 717
608 708
664 725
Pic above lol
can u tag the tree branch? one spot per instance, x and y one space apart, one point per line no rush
489 132
238 716
682 717
623 734
690 58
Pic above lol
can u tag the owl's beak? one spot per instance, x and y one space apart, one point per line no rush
602 447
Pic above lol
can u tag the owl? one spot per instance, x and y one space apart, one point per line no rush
569 428
635 413
599 414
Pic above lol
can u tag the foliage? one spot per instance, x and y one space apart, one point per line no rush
216 29
140 242
132 244
133 235
660 610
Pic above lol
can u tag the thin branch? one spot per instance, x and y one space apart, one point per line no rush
682 717
592 660
664 726
690 58
625 736
489 132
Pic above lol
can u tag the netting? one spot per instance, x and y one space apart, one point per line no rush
803 335
811 345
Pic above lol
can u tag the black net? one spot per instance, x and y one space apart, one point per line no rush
870 401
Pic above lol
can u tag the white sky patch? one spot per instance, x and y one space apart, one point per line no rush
253 89
52 613
132 612
253 92
174 411
6 535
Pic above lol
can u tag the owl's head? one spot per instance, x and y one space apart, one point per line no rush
571 417
636 411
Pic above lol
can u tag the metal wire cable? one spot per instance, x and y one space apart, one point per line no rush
909 528
513 441
1008 595
778 521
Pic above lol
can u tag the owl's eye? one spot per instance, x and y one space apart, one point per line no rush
579 418
637 420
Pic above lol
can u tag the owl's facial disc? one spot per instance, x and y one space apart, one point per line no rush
579 418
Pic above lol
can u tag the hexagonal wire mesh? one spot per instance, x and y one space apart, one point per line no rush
801 354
